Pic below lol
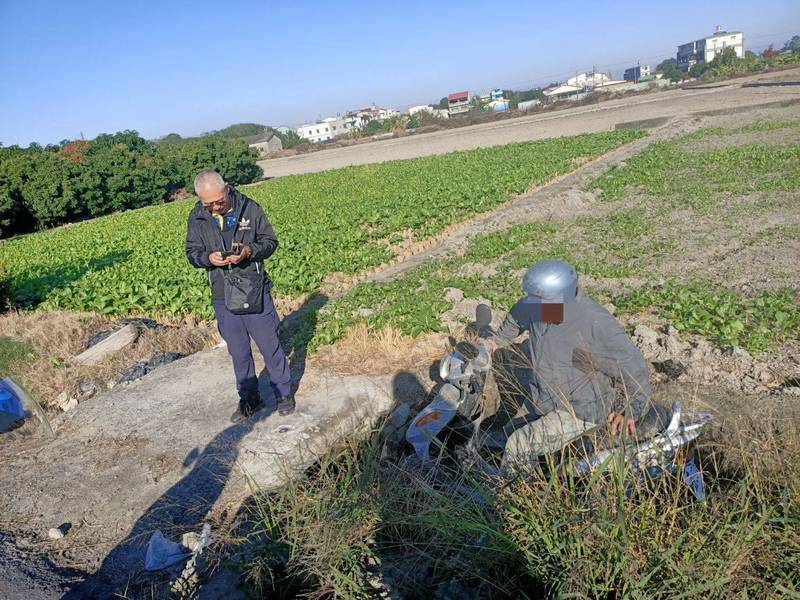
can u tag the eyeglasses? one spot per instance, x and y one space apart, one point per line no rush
218 202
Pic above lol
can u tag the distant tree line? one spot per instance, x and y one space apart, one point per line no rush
42 187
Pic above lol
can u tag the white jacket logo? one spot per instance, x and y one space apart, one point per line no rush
244 224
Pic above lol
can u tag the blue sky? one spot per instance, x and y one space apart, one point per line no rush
72 67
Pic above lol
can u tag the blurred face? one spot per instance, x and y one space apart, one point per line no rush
545 312
552 313
215 199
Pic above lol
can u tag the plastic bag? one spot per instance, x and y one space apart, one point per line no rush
162 552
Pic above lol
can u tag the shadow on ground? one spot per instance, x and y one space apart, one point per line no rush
182 508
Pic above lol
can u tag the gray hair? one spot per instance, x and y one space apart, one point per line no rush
208 178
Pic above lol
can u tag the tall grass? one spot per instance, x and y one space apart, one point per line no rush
358 527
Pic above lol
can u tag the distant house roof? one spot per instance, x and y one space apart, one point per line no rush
561 89
265 137
721 33
458 97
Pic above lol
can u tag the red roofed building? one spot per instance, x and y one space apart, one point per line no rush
458 103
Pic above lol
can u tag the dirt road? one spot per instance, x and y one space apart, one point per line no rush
585 119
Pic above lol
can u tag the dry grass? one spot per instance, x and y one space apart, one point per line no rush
365 352
58 336
358 527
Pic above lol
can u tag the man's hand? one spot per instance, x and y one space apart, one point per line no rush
245 252
616 421
215 258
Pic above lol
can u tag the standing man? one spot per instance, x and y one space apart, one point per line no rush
229 236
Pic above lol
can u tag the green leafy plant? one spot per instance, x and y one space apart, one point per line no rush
723 316
336 221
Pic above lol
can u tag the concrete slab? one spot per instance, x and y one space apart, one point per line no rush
161 453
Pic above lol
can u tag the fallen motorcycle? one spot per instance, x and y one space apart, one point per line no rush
457 412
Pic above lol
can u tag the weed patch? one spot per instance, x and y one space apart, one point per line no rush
723 316
357 527
12 353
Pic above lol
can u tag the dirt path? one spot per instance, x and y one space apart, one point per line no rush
586 119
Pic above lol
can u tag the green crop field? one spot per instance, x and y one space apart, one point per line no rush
646 241
337 221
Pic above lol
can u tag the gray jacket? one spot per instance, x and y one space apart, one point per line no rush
577 363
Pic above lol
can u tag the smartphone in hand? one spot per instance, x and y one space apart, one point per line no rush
237 248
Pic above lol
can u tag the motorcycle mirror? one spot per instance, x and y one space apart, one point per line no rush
483 315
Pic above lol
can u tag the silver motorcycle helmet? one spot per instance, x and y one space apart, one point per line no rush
550 282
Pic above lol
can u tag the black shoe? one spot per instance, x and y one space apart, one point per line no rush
286 405
248 406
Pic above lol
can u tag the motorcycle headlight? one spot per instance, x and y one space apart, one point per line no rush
444 367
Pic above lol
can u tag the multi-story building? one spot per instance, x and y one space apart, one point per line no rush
588 80
634 74
315 132
329 128
705 49
458 103
343 125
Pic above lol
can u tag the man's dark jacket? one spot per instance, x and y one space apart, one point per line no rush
253 229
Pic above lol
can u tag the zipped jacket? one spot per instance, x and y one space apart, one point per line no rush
586 364
203 236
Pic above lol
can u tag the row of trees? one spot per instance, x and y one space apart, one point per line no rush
42 187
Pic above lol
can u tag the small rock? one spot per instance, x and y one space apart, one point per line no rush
671 345
363 313
670 330
56 533
762 374
65 402
647 341
671 368
453 295
86 389
610 308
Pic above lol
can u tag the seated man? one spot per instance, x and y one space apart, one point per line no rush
580 356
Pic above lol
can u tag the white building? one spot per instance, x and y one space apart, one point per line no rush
705 49
563 92
315 132
412 110
588 80
343 125
374 113
458 103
